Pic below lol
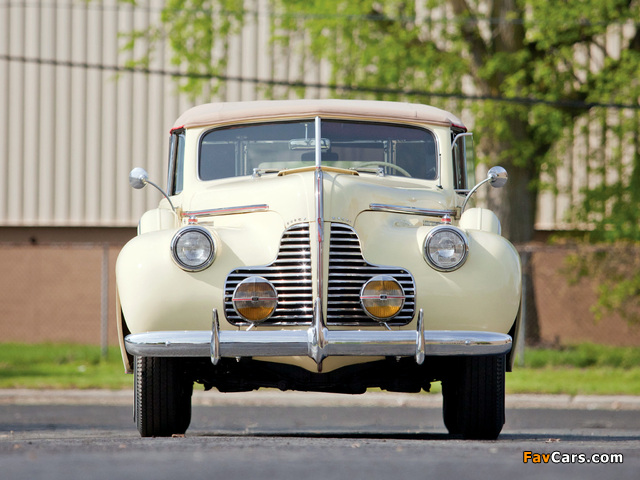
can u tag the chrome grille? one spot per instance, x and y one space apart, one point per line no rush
348 272
290 274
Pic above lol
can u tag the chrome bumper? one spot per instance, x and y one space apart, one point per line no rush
316 342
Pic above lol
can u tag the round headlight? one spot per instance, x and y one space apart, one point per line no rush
255 299
382 297
446 248
193 249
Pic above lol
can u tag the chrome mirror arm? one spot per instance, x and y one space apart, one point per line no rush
497 177
139 178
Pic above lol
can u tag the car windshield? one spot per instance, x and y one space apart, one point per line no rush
363 146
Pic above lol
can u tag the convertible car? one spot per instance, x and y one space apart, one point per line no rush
319 245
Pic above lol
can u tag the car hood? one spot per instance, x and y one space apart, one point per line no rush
293 195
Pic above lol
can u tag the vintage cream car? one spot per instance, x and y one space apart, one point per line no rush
319 245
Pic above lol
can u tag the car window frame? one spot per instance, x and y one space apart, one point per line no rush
175 175
463 164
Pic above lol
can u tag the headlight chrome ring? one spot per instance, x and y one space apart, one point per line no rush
193 248
446 248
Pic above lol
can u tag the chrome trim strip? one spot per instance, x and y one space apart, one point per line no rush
227 210
214 343
317 344
381 207
455 139
317 334
420 346
194 343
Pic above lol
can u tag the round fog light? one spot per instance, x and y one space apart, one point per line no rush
255 299
382 297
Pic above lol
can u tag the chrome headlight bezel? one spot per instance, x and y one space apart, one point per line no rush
208 244
460 248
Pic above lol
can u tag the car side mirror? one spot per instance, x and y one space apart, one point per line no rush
139 178
497 178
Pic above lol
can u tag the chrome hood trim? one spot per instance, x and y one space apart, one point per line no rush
226 211
428 212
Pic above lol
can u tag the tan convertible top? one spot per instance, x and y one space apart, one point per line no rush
231 112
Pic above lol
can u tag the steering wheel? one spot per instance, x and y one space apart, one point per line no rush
385 164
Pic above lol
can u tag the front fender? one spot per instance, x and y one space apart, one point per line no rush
156 294
484 294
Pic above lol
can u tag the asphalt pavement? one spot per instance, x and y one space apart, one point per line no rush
75 434
309 399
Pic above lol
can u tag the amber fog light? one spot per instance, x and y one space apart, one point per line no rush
255 299
382 297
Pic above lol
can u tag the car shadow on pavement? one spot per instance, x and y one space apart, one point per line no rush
422 436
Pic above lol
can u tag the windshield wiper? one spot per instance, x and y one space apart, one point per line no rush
374 170
258 172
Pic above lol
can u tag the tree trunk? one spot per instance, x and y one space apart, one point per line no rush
515 205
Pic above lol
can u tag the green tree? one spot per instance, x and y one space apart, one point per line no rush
515 64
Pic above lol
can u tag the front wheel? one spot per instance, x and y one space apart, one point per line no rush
473 397
162 397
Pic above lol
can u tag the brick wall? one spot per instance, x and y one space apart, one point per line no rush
51 290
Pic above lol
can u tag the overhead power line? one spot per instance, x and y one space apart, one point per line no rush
560 103
471 19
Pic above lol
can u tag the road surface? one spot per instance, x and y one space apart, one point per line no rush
273 435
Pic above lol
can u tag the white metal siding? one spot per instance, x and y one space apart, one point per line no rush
71 131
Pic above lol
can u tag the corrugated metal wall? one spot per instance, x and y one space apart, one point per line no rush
71 130
73 121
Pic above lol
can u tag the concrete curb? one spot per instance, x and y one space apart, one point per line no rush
274 398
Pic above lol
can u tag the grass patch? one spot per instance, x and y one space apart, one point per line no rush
574 381
584 355
61 366
587 369
580 369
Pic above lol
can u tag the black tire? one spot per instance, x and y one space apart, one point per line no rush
450 407
162 397
473 397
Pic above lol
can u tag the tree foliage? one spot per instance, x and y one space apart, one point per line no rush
526 69
529 64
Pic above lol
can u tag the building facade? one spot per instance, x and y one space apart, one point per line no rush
75 118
